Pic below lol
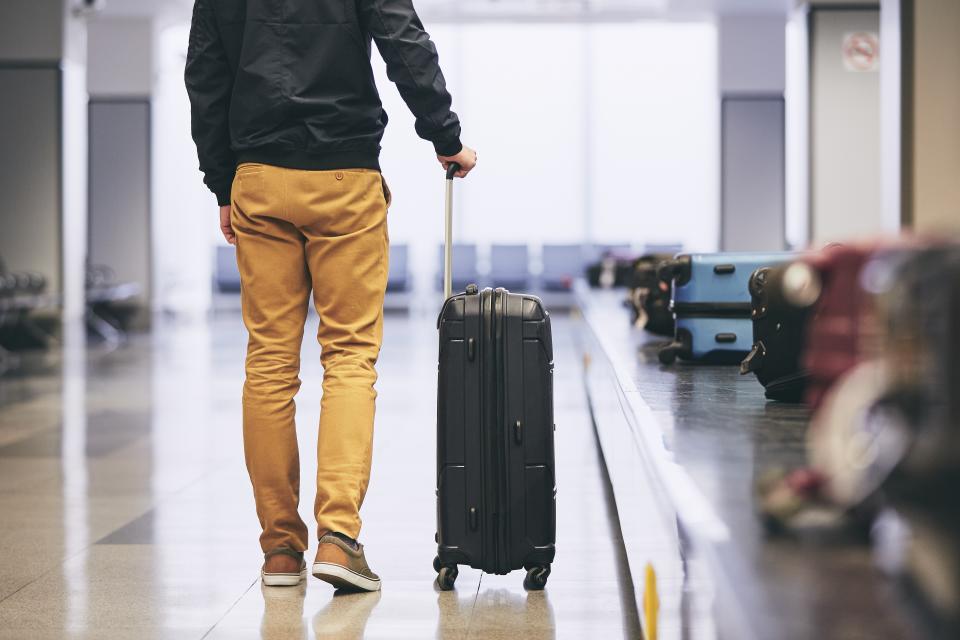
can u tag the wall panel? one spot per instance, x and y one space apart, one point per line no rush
30 137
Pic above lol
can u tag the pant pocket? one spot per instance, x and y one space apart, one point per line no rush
387 196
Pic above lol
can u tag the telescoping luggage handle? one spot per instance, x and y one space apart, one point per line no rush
452 169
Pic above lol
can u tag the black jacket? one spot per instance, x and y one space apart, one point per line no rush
289 83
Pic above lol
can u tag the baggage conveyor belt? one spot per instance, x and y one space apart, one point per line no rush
683 446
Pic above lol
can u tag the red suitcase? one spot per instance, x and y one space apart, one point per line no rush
843 322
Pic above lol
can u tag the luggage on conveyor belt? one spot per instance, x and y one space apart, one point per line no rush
780 299
611 271
496 491
711 304
922 346
843 327
650 296
885 432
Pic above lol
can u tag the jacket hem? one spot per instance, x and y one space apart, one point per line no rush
299 159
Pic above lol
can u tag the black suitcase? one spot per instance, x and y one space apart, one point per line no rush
650 296
612 271
496 491
779 330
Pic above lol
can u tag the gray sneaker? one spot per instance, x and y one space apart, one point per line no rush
340 561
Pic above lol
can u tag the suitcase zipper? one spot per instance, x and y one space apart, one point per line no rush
500 462
486 497
490 437
501 470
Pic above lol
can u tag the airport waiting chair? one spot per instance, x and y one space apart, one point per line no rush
399 279
226 275
562 264
111 305
510 266
464 266
21 294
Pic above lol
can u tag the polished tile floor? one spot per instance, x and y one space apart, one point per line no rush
125 510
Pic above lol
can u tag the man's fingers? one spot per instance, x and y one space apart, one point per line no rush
466 164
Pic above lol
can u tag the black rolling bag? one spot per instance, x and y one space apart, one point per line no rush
650 296
496 492
779 313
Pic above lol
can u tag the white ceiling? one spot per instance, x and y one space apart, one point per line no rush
171 10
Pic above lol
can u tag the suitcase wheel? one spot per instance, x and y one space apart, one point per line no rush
668 354
682 346
436 564
447 577
536 578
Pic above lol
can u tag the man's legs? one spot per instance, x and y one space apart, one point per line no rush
276 290
347 254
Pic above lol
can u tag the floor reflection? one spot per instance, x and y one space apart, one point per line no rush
283 612
497 613
454 614
126 468
345 616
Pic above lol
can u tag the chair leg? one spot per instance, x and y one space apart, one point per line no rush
8 361
110 334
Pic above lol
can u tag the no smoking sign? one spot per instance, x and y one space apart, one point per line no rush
861 51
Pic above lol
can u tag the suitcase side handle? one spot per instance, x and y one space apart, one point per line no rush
678 270
452 169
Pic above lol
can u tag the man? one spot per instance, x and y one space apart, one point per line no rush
288 124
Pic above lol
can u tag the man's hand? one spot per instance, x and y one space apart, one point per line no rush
467 159
225 227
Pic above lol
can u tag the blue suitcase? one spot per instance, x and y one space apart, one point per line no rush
711 303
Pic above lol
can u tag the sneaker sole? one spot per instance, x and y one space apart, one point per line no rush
343 578
283 579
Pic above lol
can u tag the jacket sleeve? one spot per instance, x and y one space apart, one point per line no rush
209 82
413 65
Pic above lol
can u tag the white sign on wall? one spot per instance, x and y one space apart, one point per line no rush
861 51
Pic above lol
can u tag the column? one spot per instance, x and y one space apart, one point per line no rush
845 152
120 82
43 137
921 100
752 52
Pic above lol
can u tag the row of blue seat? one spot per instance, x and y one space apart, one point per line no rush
511 265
